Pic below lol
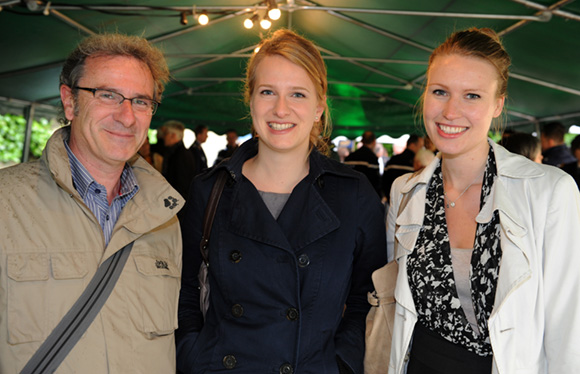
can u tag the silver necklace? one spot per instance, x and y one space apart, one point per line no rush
451 204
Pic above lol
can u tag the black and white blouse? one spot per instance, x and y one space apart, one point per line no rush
431 272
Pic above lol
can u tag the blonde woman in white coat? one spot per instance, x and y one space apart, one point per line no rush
487 242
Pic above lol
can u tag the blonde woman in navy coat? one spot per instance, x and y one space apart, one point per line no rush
295 238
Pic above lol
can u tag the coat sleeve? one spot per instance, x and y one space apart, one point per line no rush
561 278
189 314
369 255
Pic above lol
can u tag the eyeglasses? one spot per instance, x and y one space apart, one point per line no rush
110 98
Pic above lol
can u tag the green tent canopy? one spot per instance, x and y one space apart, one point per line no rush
376 52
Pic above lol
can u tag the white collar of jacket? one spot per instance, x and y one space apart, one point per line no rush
155 203
509 167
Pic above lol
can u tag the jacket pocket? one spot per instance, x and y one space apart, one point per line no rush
41 289
28 276
158 294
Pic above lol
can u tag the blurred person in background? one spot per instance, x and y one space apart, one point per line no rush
554 151
573 168
524 144
231 146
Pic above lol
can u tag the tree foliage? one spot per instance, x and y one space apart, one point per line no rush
12 132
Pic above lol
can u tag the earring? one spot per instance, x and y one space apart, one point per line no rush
316 118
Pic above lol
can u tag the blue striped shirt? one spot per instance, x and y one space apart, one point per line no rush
94 195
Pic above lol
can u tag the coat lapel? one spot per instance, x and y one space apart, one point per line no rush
252 219
291 232
311 220
409 222
517 265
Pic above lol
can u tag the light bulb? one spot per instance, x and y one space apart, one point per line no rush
265 23
248 23
274 14
183 20
203 19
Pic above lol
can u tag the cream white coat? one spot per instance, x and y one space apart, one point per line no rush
534 327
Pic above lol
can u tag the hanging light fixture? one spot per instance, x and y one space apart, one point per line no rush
265 23
249 22
183 19
273 11
203 19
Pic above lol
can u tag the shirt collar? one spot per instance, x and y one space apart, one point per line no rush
82 179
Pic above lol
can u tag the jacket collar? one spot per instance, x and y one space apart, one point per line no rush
510 167
310 217
153 205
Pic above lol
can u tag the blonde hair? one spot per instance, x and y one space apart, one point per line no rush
302 52
483 43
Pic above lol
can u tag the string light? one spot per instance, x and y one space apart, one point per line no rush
183 18
272 14
249 22
203 19
46 10
273 11
265 23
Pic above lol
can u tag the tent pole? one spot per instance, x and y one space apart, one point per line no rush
546 13
202 63
290 6
189 29
290 9
557 12
72 22
545 84
29 114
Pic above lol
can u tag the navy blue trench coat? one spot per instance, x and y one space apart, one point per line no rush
279 287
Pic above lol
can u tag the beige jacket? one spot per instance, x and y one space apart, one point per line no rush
51 245
534 326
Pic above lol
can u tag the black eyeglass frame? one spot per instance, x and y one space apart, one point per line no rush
154 106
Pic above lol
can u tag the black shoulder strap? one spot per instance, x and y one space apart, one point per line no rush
76 321
210 209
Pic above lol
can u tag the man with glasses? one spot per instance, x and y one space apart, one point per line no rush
79 206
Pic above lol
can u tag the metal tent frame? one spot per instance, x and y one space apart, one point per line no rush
376 56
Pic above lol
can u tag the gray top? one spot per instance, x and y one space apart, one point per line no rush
461 260
274 201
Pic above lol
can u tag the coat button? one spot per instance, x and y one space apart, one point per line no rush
286 369
292 314
303 260
237 310
320 182
229 361
235 256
